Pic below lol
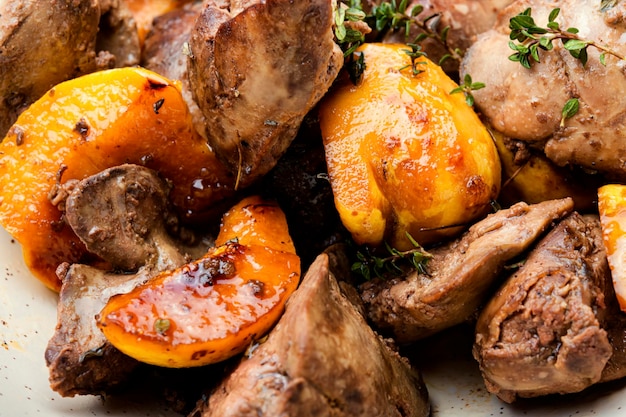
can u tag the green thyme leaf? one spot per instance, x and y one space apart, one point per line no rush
527 40
369 266
569 110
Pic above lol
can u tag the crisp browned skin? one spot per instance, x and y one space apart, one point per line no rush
309 365
542 333
256 71
526 104
460 274
43 43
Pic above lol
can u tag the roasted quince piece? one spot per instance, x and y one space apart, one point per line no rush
612 208
404 153
83 126
213 308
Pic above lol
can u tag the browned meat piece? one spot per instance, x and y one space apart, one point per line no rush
121 215
527 104
542 332
43 43
255 70
164 54
465 20
321 359
117 34
459 275
80 359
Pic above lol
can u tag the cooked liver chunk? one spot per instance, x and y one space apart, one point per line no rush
256 69
321 359
542 332
460 274
526 104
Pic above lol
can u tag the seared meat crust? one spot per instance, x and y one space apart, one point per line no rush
256 69
526 104
459 275
542 332
321 359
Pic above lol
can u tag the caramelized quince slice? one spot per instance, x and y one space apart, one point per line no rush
612 208
213 308
404 153
83 126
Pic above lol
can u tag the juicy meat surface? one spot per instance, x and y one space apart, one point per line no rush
459 275
121 215
321 359
542 332
526 104
256 69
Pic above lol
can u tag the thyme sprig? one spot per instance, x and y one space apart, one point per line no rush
369 265
391 16
347 32
569 110
466 87
415 53
527 39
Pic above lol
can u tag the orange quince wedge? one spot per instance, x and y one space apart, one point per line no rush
213 308
405 154
612 209
83 126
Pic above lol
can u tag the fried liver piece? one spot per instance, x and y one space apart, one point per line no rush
460 274
121 214
527 104
542 333
256 69
321 359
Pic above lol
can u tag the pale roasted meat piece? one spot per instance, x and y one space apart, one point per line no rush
527 104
